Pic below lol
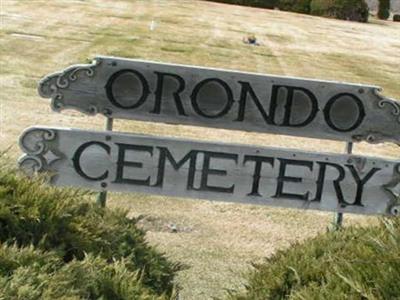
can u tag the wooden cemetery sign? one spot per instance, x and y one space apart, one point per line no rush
134 89
248 174
156 92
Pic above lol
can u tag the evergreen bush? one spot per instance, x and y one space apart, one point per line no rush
353 263
270 4
384 9
299 6
30 274
396 18
70 223
352 10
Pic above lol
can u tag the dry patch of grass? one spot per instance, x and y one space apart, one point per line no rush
217 240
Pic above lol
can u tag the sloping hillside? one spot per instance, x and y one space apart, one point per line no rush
216 240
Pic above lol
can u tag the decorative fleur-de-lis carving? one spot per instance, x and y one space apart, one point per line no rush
35 143
393 188
52 85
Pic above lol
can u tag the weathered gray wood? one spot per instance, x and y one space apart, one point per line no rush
102 196
226 172
149 91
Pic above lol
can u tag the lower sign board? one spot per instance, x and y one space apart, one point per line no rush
226 172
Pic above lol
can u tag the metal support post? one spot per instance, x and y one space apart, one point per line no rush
338 217
102 197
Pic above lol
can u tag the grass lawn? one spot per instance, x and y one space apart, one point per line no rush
216 240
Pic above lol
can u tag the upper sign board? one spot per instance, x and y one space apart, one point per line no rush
214 171
177 94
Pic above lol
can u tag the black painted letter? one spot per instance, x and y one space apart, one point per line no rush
204 186
283 178
336 182
290 90
110 93
159 93
121 163
360 183
247 89
229 98
328 112
165 155
77 157
257 171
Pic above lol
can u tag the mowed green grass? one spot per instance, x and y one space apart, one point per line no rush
216 240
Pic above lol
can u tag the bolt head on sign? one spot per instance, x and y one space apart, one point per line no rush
178 94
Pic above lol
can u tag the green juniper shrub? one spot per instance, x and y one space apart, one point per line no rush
384 9
299 6
270 4
31 274
353 263
352 10
69 223
396 18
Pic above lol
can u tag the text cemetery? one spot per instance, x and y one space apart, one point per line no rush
176 167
